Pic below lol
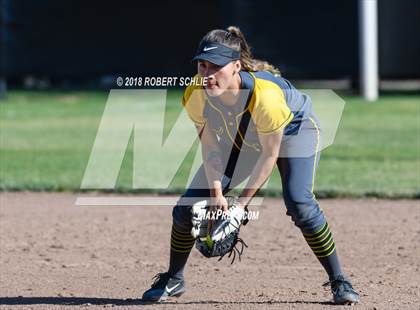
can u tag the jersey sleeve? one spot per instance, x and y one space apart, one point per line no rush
270 113
193 101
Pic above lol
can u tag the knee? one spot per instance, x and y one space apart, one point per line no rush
304 211
181 216
181 213
297 201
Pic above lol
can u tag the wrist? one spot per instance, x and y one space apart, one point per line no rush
217 189
243 201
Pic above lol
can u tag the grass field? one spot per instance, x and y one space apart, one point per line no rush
46 139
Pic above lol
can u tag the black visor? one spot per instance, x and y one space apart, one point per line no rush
216 53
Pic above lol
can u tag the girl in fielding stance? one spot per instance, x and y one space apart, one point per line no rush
281 130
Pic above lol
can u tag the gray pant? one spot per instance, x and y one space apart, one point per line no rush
297 175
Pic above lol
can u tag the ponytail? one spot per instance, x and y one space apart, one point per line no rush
235 39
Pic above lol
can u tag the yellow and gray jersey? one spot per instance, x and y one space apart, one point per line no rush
272 102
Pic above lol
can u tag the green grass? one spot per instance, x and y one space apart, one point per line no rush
46 139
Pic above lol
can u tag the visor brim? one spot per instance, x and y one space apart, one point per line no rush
214 59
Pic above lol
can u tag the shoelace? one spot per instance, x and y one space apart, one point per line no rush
336 284
159 279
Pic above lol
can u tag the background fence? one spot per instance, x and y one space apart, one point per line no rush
78 40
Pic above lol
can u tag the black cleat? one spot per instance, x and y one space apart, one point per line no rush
343 291
164 286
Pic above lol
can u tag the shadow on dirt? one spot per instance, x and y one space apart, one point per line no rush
135 302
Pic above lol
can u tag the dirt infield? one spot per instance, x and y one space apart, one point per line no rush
55 255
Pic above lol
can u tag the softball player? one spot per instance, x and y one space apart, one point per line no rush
282 131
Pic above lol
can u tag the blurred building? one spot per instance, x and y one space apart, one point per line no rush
74 41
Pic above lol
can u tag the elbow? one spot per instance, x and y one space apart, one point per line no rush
271 153
270 157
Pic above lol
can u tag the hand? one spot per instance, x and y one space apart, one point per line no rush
217 203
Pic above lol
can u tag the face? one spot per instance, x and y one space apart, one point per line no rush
219 78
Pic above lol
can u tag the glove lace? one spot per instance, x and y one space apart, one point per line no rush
235 250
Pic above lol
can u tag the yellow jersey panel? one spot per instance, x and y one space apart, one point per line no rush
194 101
269 109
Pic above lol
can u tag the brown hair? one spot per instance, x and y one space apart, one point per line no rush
235 39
